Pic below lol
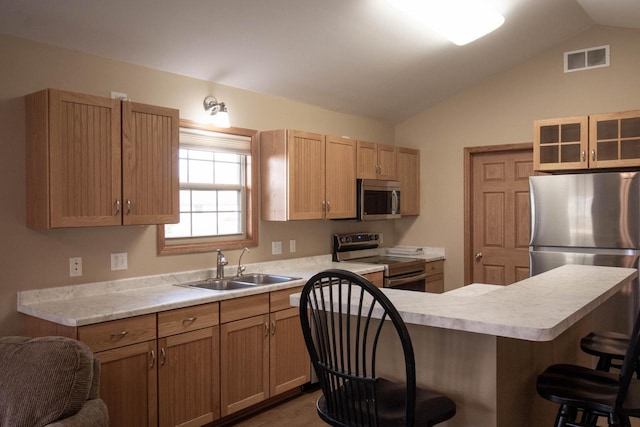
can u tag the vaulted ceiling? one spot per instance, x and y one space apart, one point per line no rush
355 56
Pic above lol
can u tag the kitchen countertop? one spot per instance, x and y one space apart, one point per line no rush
539 308
85 304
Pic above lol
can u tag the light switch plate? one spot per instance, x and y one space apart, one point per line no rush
119 261
276 248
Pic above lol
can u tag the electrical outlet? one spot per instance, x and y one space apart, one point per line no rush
292 246
75 267
119 261
276 248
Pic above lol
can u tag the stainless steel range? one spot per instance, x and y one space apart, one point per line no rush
399 272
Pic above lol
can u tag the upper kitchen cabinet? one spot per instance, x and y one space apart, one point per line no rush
95 161
614 139
597 141
560 144
376 161
408 167
307 176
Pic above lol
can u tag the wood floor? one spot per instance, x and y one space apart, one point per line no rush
299 411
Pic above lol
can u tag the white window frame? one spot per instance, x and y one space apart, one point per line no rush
194 135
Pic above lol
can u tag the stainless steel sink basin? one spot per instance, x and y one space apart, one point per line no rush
263 279
217 284
241 282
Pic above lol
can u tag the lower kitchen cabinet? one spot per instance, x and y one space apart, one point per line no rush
376 278
262 355
188 366
289 360
128 384
434 282
244 352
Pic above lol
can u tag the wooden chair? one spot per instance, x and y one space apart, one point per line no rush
342 316
594 393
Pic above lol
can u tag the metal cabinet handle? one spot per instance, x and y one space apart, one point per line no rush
266 329
593 155
273 327
583 155
478 256
324 206
128 207
189 320
328 206
117 207
119 334
163 356
153 359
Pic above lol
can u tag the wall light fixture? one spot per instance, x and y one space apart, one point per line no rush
218 110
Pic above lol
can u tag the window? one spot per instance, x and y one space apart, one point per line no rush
218 191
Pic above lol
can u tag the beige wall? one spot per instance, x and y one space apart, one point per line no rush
31 259
501 110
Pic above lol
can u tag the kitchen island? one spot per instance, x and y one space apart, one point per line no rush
484 345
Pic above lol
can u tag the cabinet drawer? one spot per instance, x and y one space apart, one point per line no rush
187 319
241 308
280 299
118 333
434 267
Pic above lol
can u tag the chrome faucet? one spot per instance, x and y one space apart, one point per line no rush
221 261
241 268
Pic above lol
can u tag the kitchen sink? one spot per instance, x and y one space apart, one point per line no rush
241 282
217 284
263 279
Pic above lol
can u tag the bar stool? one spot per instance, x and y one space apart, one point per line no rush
610 348
592 392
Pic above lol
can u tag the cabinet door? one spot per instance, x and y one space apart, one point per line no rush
367 155
189 378
560 144
128 384
340 178
386 161
614 140
376 278
150 186
408 173
84 156
305 152
290 363
244 363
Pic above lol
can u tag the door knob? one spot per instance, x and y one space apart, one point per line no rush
478 256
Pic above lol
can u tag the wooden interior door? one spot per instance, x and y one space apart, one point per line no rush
498 186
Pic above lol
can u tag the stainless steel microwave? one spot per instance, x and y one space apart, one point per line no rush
378 199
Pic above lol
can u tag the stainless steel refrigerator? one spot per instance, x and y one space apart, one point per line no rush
591 219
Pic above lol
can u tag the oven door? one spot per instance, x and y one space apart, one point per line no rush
407 282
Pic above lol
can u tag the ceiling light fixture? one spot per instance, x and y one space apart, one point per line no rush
218 110
461 21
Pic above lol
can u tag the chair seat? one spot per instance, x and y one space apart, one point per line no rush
431 408
580 387
605 343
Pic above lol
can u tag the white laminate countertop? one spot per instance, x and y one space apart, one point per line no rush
539 308
85 304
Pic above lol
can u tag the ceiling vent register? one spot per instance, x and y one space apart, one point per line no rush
586 59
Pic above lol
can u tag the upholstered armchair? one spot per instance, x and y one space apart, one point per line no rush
49 381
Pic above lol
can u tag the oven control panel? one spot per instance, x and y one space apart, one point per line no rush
351 241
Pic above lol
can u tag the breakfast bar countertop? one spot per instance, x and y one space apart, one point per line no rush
539 308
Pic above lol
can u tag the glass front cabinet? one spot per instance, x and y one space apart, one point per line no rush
609 140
